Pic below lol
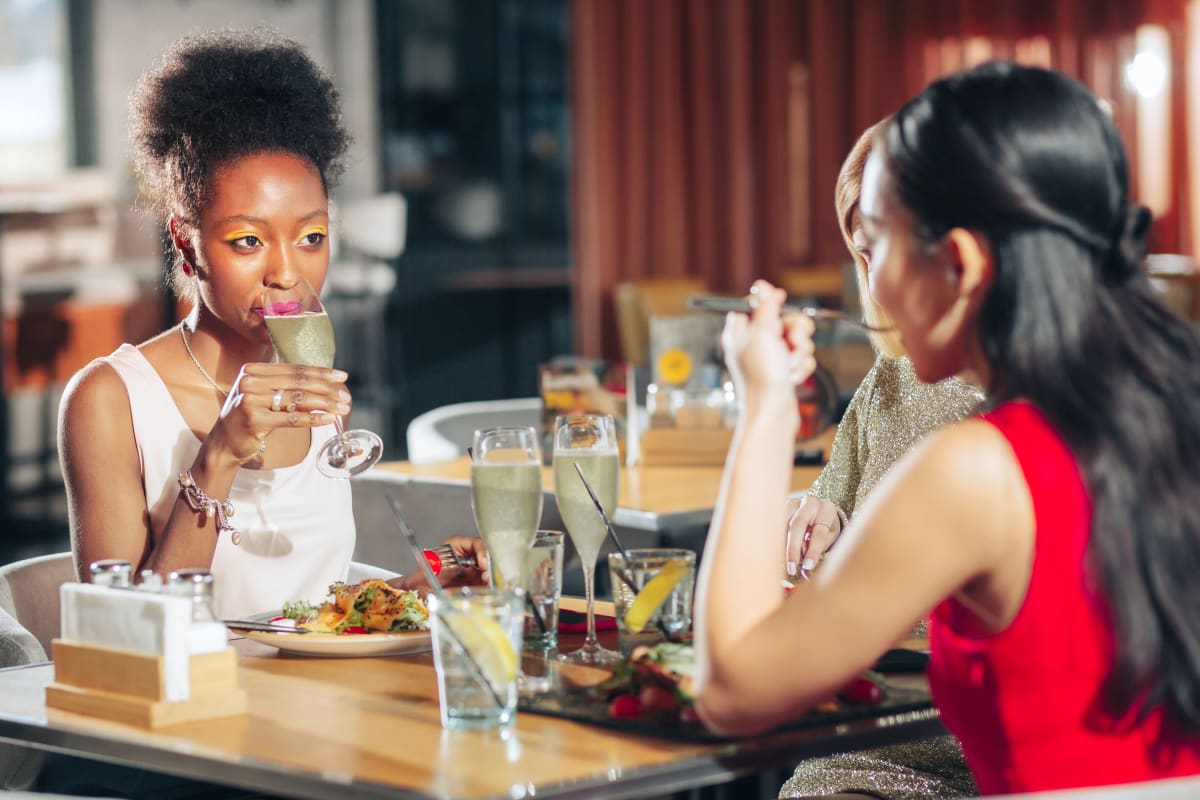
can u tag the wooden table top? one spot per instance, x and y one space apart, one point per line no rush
369 727
676 491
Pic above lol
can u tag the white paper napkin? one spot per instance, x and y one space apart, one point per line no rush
144 622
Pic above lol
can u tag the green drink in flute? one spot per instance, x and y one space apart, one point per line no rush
590 441
506 496
301 333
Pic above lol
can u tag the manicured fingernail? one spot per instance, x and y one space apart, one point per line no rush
791 568
808 564
344 397
343 408
339 375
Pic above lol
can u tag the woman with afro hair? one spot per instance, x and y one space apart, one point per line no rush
237 139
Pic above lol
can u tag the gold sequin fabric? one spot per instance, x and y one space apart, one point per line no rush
889 413
930 769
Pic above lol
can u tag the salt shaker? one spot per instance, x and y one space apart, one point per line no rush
198 585
114 572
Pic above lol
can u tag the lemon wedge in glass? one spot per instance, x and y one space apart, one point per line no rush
486 642
654 594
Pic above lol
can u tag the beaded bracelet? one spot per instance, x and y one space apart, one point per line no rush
197 500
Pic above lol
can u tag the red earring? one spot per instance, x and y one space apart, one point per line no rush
186 267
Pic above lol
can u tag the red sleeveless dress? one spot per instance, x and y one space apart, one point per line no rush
1024 702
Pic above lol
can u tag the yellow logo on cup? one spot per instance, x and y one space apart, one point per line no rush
674 366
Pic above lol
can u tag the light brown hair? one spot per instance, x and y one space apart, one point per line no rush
846 196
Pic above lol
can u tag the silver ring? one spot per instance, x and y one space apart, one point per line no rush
276 399
262 448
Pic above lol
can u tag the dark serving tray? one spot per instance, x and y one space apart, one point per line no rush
584 705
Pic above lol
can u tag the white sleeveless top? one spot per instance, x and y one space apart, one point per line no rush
296 525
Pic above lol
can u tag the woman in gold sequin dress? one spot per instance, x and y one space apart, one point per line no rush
889 413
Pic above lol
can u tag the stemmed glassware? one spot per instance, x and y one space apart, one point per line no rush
302 334
589 440
506 496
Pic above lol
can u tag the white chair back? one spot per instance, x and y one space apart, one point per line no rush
444 433
29 593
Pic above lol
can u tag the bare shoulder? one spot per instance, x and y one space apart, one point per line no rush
94 410
972 470
969 450
96 386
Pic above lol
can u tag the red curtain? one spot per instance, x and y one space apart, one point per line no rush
707 134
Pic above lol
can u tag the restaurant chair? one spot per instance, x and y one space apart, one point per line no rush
434 510
635 302
1177 280
445 433
29 593
19 766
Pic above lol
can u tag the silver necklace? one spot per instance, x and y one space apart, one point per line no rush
192 356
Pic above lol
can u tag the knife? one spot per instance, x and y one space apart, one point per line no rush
250 625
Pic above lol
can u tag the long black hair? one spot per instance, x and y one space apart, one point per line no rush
1028 158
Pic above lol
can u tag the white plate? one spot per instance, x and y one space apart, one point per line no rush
333 645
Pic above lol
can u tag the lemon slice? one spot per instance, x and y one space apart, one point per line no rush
654 594
486 642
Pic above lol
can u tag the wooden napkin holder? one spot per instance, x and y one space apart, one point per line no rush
689 447
128 687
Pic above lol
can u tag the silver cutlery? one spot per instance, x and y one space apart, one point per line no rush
740 305
266 627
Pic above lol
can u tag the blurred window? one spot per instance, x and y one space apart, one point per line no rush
475 128
34 137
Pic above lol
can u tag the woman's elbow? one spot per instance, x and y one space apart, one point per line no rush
724 711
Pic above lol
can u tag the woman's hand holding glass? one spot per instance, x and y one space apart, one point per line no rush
307 398
302 336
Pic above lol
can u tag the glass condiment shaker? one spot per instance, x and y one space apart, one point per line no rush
198 585
114 572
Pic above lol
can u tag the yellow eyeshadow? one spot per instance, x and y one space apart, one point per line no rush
229 237
321 229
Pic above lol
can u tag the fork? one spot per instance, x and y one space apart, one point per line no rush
740 305
444 555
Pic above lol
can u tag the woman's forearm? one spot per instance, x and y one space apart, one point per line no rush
189 537
741 569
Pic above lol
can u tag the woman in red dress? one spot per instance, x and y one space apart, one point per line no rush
1055 538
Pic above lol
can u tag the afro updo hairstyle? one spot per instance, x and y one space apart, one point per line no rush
217 97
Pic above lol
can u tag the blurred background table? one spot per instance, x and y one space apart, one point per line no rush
657 506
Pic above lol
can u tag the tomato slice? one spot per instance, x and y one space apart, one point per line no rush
354 629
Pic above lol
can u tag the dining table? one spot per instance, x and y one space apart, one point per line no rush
369 727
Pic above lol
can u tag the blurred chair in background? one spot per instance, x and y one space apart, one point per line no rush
1177 280
444 433
637 301
360 283
29 593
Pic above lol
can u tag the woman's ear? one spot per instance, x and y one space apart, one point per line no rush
967 258
182 245
973 266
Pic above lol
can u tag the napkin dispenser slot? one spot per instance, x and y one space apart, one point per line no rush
130 687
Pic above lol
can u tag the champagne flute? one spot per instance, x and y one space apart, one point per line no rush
302 334
506 496
590 441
